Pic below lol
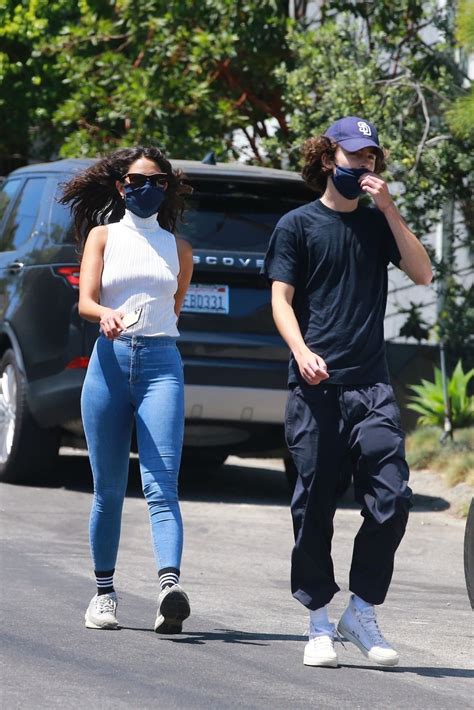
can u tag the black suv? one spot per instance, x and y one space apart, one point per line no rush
235 362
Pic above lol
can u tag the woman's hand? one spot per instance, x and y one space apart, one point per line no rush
111 323
185 256
312 367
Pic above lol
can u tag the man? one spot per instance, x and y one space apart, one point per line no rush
327 262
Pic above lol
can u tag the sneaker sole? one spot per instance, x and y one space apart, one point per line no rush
174 609
328 663
107 626
349 636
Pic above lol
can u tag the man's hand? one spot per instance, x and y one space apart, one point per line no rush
312 367
378 189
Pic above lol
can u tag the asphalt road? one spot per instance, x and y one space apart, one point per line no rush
243 645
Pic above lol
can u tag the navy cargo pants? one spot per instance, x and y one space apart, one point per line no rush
330 429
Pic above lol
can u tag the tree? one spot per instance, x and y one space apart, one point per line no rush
30 84
82 78
180 73
373 59
461 115
394 64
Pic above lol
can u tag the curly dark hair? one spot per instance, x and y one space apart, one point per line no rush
314 173
94 199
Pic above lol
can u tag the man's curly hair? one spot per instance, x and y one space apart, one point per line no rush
314 173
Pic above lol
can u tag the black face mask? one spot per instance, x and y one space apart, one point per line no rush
346 181
144 201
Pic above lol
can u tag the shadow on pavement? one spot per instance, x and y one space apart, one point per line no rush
225 635
423 503
427 671
235 484
233 636
227 484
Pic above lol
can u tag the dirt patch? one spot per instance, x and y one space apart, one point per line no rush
432 493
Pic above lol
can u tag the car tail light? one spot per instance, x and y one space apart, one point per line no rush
79 363
70 274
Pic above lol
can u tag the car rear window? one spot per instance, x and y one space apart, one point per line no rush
7 193
24 215
238 217
61 226
220 215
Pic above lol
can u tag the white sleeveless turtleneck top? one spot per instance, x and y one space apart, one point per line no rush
141 269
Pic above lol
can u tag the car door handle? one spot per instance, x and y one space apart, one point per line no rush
15 267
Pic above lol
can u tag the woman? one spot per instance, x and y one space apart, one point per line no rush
134 277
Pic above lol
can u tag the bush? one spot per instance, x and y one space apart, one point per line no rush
459 468
454 460
428 399
423 446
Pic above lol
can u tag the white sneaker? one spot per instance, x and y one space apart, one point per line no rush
173 609
361 628
319 651
100 613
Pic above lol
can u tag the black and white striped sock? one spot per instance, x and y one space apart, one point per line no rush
104 581
168 576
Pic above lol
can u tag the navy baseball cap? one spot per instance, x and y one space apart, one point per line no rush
353 133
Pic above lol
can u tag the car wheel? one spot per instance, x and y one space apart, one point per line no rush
27 453
469 553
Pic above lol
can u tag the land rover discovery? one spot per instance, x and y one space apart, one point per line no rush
235 362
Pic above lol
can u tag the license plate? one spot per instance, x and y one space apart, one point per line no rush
206 299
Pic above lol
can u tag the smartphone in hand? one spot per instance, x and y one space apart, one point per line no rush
131 318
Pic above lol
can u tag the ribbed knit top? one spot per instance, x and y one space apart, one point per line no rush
141 269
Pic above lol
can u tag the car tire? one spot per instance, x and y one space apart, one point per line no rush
27 452
469 553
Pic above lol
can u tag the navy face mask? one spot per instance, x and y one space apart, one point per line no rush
144 201
346 181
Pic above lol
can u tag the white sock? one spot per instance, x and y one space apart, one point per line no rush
319 620
360 604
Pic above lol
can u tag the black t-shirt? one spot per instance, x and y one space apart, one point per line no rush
337 262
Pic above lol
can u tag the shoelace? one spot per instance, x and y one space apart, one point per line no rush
370 624
332 632
105 604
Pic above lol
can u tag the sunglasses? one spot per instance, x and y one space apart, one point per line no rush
138 179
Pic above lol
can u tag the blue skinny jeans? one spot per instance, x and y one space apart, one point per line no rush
134 378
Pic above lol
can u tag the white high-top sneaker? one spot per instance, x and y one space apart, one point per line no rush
319 651
100 613
361 628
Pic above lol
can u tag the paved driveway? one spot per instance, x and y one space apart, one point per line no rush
243 645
